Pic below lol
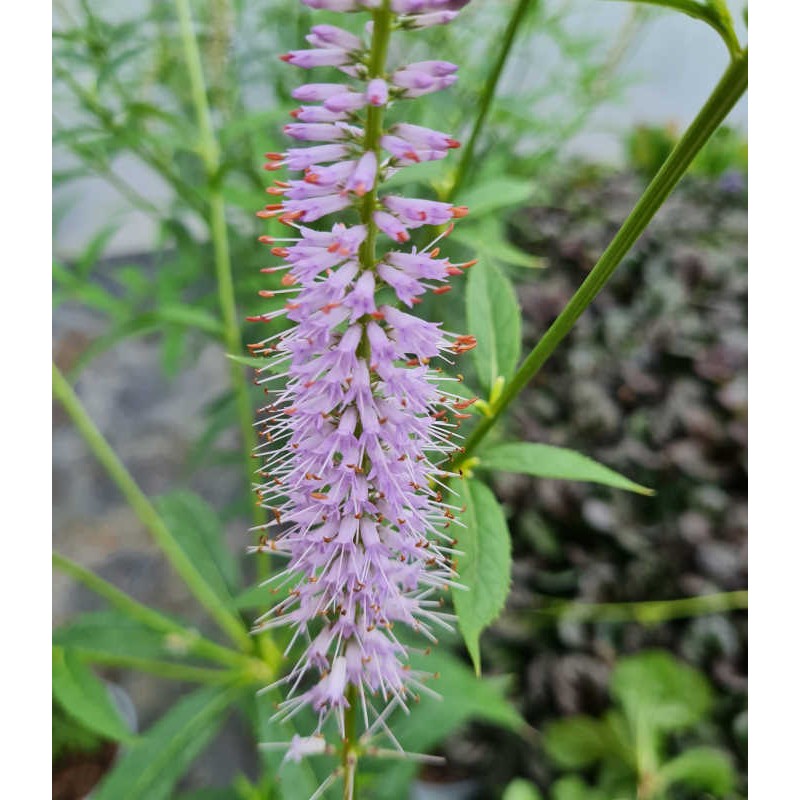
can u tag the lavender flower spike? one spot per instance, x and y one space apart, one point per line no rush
357 429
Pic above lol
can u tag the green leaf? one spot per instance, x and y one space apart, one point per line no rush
485 566
146 323
487 238
198 530
463 698
576 742
493 317
94 250
496 194
255 597
248 361
657 692
547 461
704 769
113 634
520 789
150 769
85 697
572 788
190 317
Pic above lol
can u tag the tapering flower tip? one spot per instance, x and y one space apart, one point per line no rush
362 179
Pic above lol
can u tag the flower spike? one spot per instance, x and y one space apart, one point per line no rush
357 429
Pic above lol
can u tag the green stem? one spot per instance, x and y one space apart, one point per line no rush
148 515
349 746
647 612
373 130
162 669
488 93
193 642
727 92
210 153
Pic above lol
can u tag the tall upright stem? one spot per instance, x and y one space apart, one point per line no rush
727 92
210 153
373 130
349 752
487 96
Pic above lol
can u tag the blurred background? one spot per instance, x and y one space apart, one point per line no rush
651 382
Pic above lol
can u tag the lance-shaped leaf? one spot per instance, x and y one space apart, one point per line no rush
493 318
85 697
150 768
198 530
484 569
547 461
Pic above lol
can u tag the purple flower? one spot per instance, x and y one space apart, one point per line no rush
323 57
315 133
331 36
346 101
317 92
363 176
377 92
357 430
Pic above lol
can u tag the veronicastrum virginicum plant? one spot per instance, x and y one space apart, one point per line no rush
342 503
